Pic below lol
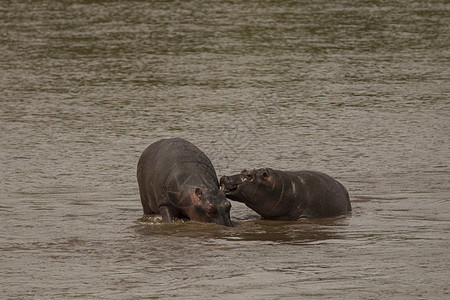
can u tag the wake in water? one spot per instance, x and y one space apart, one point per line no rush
155 220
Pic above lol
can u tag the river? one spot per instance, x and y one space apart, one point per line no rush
356 89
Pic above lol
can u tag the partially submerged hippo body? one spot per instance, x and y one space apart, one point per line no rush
284 195
178 180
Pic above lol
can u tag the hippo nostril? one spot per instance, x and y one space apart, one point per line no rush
223 180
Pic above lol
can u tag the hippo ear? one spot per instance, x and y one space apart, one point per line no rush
265 174
198 192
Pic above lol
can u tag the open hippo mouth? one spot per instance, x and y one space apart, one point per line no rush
228 189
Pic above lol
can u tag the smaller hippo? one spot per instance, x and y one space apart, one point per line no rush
178 180
284 195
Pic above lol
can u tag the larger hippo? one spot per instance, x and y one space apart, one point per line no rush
284 195
178 180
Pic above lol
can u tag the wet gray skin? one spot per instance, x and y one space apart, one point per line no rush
177 180
284 195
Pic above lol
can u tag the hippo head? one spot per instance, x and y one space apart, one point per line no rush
257 189
247 185
210 205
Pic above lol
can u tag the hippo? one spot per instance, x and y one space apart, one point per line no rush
282 195
177 180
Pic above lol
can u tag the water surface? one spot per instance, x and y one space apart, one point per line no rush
358 90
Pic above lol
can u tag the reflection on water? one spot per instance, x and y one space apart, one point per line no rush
358 90
300 232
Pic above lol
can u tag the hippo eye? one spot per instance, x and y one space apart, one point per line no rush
249 176
210 210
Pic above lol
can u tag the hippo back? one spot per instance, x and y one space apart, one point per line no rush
176 158
327 197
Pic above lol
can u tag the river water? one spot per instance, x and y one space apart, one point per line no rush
356 89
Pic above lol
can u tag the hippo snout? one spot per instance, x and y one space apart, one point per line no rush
223 220
229 184
224 180
226 184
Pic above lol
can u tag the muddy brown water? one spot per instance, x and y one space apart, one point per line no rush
356 89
